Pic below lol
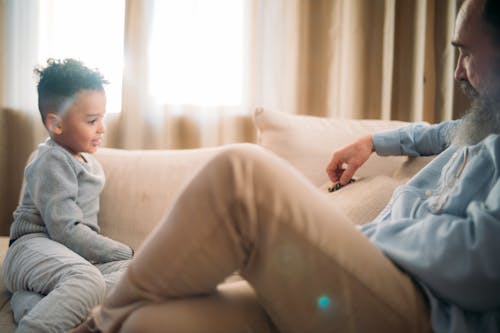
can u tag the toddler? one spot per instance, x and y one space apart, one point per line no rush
58 265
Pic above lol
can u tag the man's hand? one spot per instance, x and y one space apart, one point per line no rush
352 156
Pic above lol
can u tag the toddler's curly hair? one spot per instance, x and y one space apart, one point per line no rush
60 80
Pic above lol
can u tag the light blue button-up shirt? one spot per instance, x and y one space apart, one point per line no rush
443 226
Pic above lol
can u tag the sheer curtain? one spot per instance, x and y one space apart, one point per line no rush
270 69
381 59
18 112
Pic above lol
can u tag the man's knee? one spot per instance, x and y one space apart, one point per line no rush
242 155
241 151
238 166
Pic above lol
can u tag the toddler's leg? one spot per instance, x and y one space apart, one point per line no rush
112 272
22 302
71 284
311 269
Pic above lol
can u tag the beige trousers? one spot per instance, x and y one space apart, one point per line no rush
311 269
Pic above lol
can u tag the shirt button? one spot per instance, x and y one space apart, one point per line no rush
428 193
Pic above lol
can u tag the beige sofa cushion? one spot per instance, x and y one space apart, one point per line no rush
363 200
141 185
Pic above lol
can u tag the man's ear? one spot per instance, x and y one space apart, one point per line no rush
53 123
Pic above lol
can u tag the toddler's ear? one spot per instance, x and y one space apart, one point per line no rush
53 123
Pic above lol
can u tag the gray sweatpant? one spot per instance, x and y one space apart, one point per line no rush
53 287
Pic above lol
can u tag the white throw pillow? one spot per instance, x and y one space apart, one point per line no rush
307 142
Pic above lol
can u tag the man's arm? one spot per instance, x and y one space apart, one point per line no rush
417 139
412 140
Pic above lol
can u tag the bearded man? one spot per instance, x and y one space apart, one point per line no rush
443 227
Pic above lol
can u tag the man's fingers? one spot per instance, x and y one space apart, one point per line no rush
350 158
347 175
334 169
333 175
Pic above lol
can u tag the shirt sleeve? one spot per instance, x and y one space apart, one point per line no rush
417 139
54 188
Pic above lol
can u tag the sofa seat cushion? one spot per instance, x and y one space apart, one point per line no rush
363 200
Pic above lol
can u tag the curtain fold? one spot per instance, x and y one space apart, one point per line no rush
357 46
275 52
393 60
134 132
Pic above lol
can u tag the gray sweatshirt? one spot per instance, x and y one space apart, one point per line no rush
61 200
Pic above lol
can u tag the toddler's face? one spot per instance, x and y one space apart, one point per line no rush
83 124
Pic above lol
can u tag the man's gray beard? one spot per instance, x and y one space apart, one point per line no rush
481 120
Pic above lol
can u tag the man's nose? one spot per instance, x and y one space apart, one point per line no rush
460 73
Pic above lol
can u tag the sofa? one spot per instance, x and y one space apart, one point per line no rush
141 184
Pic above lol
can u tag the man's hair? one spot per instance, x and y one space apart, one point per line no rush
491 15
61 80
